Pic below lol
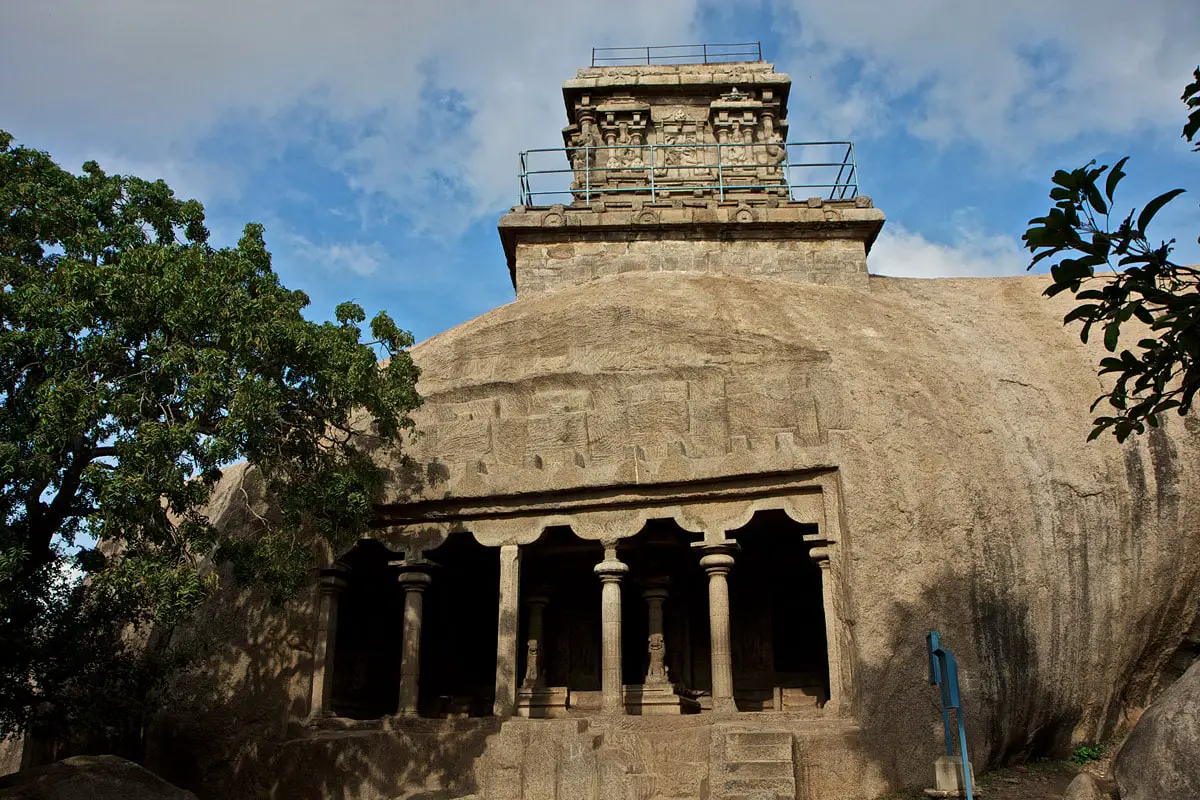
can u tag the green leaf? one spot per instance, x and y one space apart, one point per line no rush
1112 332
1191 96
1094 197
1143 314
1153 208
1085 310
1114 178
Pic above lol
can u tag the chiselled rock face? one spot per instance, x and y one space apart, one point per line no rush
954 414
783 472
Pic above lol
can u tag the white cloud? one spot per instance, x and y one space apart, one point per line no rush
431 95
425 103
187 175
972 254
1014 75
356 257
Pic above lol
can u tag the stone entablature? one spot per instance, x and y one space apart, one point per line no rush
665 77
609 514
813 241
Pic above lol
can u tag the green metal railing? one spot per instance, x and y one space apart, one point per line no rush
793 169
677 54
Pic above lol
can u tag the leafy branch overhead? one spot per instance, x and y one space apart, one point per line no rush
137 362
1122 277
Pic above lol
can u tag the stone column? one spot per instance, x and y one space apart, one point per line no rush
717 561
506 631
611 570
534 658
332 584
414 577
655 595
832 637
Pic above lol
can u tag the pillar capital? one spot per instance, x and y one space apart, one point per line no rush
611 569
717 558
414 575
652 594
820 556
655 587
332 580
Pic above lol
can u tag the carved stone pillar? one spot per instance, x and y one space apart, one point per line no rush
332 584
717 561
820 555
506 631
611 570
535 667
655 595
414 577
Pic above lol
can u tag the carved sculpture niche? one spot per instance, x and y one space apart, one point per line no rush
683 160
752 139
623 122
583 137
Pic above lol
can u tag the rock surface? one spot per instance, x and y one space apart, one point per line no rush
89 778
1084 787
1161 758
1065 575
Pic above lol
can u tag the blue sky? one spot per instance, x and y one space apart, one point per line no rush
377 141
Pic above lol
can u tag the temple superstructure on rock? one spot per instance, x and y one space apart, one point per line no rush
678 519
625 606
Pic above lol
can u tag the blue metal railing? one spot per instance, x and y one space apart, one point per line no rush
793 169
677 54
943 672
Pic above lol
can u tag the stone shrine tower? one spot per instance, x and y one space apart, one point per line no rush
686 168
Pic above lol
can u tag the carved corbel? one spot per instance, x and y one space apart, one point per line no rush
607 527
508 531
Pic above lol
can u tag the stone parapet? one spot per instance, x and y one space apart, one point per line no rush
813 241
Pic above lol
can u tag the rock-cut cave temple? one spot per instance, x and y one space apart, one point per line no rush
679 517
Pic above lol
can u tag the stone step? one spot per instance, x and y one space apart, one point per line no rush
760 796
759 769
758 746
757 786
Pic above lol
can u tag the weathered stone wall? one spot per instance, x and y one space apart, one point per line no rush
813 241
1064 574
657 77
570 261
956 414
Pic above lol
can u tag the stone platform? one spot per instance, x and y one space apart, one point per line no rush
676 757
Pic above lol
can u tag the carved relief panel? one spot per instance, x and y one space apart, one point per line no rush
625 142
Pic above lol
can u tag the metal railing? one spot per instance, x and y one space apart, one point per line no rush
943 673
792 169
677 54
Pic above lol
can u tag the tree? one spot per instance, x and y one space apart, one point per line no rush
1163 372
136 362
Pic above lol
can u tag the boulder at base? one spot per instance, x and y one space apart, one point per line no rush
1161 758
1084 787
89 778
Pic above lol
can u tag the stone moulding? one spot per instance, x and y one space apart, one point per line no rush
815 219
608 514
